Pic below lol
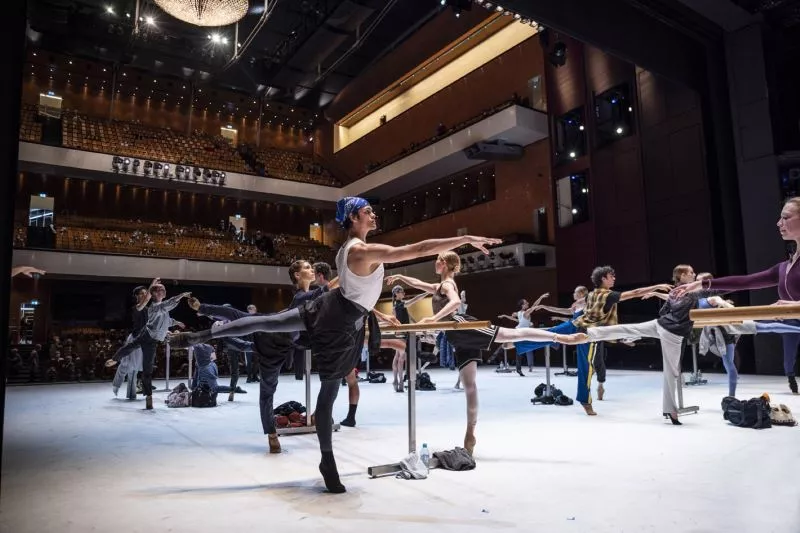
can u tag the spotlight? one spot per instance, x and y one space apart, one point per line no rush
222 177
224 40
179 172
619 130
581 127
443 2
196 173
136 164
574 211
157 169
125 164
499 9
110 10
630 109
573 155
215 177
206 175
584 190
215 38
166 170
150 20
517 16
558 56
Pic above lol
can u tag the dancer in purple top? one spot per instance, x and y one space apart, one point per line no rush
784 275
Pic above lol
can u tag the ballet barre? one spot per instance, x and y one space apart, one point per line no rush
412 330
308 428
736 315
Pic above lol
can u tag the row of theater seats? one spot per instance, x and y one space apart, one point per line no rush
30 129
136 140
188 242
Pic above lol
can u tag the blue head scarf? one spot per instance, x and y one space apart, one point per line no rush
347 206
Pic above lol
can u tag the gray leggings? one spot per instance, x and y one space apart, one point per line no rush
287 321
324 413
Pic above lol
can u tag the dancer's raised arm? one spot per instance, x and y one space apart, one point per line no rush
411 282
372 253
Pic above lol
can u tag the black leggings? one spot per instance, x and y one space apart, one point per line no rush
287 321
328 391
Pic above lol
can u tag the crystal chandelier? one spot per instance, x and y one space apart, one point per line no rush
205 12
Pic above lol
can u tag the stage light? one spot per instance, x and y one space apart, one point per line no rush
136 164
222 177
125 164
166 170
619 130
215 38
574 211
573 155
115 163
150 20
148 168
110 10
42 195
581 127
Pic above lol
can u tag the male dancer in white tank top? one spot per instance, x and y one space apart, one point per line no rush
335 320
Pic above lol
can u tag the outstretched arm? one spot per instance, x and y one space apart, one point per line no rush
383 317
147 296
509 317
28 271
411 282
659 295
415 299
382 253
557 310
638 293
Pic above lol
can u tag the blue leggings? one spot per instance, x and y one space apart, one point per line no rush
790 330
565 328
730 368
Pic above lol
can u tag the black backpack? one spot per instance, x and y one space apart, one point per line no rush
424 382
376 377
753 413
203 397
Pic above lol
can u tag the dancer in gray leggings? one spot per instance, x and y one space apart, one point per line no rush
335 320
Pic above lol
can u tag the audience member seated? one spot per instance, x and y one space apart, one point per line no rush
207 371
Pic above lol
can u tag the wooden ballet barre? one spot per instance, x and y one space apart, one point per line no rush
436 326
736 315
412 330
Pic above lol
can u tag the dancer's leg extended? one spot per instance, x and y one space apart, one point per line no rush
287 321
565 328
328 391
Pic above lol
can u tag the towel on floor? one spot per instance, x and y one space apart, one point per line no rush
413 467
456 459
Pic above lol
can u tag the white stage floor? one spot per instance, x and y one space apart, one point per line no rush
76 459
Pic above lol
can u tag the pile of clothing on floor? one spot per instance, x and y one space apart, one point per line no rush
290 415
556 397
756 413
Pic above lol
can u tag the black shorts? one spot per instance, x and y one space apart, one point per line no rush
336 330
468 343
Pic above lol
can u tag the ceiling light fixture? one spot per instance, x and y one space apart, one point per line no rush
210 13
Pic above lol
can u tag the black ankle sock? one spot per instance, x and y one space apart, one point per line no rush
350 419
327 467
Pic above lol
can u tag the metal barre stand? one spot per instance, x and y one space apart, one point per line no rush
412 330
503 367
567 371
696 377
308 428
548 388
689 410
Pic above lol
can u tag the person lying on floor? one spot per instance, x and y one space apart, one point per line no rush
207 371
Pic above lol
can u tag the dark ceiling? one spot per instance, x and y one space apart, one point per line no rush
303 54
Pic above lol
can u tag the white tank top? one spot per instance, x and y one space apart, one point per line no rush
523 322
363 290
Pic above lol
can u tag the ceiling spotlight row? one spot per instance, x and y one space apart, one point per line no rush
162 170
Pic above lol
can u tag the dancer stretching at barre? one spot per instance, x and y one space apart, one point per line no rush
785 276
523 319
335 320
468 343
671 328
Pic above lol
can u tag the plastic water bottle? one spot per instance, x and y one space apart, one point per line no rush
425 455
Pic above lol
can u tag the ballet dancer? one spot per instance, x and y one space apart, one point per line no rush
131 365
523 319
271 349
335 320
400 309
467 343
154 332
784 276
672 327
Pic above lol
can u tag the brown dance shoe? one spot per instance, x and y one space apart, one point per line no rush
588 408
274 443
148 402
600 391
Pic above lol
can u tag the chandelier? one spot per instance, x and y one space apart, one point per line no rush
205 12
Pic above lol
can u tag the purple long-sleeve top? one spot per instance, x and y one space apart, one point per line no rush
781 275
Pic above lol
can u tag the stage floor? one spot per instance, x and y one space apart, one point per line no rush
76 459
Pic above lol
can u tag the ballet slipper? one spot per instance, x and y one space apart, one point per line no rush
274 443
600 391
327 467
588 408
469 442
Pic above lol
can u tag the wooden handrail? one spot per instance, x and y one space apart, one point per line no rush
735 315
